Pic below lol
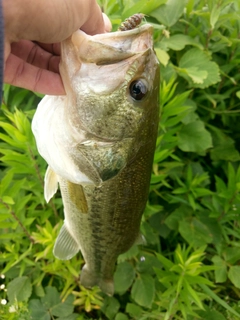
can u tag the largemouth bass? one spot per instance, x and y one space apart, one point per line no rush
99 143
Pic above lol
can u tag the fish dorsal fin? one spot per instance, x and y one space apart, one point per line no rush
65 246
50 184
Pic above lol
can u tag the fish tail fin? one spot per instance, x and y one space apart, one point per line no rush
90 279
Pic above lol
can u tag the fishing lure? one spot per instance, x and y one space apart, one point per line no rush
131 22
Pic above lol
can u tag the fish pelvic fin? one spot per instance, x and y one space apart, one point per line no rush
65 246
50 184
90 279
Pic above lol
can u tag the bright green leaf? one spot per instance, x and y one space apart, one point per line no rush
233 275
196 61
63 309
7 200
221 270
143 290
19 289
193 137
162 55
195 232
178 42
38 311
210 314
123 277
215 12
142 6
110 307
134 310
121 316
169 13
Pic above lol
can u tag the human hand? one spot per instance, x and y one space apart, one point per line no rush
33 32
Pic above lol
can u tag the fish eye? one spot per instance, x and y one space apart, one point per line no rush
138 89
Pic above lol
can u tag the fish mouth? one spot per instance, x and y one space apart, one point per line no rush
102 49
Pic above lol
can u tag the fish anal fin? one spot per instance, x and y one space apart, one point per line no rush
90 279
65 246
50 184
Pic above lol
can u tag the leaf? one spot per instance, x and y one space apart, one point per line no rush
221 271
225 151
169 13
51 298
195 232
162 55
131 253
181 213
63 309
223 303
5 182
51 304
197 76
123 277
38 311
194 294
231 255
121 316
193 137
178 42
233 275
134 310
19 289
168 264
194 61
143 290
110 307
215 13
7 200
143 6
211 315
73 316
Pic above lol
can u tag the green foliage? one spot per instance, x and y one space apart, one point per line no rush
51 305
189 268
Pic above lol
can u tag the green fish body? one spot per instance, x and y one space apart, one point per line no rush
99 142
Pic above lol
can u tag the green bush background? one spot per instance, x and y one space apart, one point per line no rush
190 267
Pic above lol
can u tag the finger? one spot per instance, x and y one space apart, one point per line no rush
95 22
107 23
51 21
54 48
22 74
33 54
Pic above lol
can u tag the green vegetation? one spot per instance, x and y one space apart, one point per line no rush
190 266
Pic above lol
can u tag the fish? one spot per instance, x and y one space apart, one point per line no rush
99 141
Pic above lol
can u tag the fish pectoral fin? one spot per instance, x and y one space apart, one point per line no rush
65 246
50 184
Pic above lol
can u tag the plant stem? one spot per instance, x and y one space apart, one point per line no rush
17 219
